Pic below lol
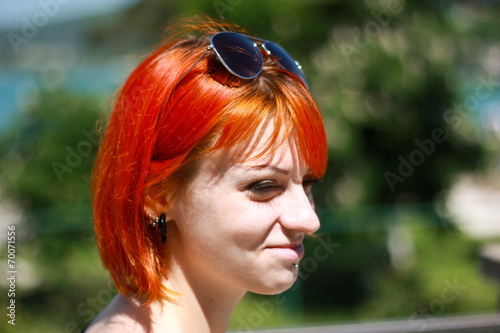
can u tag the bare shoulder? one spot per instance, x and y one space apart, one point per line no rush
120 316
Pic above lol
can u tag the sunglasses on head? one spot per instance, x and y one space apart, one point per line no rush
243 58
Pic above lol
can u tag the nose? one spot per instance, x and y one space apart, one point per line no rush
297 211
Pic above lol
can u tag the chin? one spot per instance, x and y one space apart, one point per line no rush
275 285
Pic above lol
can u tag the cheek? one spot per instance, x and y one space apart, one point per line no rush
220 214
205 221
234 222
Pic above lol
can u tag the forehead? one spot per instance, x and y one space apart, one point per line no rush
262 149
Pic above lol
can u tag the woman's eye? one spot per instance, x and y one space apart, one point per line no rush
265 189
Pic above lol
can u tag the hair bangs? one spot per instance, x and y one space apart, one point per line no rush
295 117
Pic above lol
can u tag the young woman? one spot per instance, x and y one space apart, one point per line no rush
202 185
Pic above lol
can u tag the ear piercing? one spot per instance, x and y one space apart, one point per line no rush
153 221
160 224
296 266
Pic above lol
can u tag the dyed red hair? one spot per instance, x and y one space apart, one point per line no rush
163 120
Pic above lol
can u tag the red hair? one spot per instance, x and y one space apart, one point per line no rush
163 120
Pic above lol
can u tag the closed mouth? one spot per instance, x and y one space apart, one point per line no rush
291 246
293 251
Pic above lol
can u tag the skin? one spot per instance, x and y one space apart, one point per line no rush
235 227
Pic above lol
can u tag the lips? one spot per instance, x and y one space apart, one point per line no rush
288 251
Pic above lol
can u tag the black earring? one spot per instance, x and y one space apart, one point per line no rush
163 229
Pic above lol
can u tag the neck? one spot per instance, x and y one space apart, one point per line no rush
202 304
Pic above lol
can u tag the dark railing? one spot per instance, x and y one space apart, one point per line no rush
464 324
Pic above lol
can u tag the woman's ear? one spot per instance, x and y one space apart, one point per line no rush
156 211
153 207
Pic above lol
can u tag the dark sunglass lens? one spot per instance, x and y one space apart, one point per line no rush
238 54
285 60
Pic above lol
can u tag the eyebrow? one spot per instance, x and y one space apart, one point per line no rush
267 166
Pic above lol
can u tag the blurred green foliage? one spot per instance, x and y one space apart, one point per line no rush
386 73
46 162
48 156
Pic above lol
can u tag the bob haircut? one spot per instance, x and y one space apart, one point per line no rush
165 117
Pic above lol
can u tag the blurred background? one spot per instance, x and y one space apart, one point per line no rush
410 93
